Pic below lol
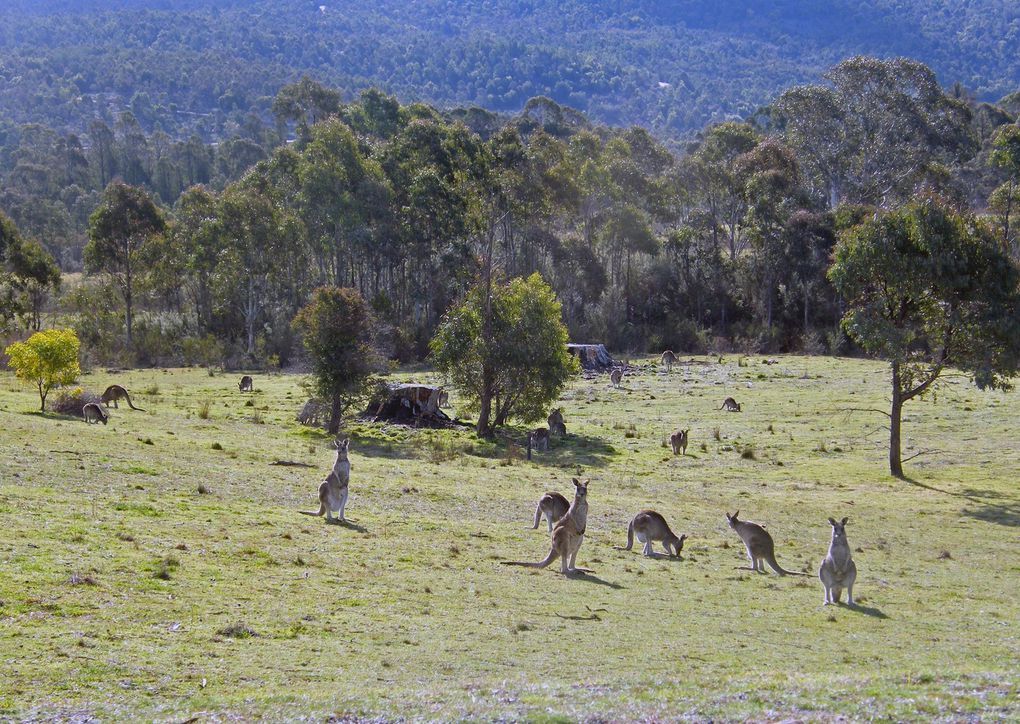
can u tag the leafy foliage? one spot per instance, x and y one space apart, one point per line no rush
46 359
926 288
337 330
514 353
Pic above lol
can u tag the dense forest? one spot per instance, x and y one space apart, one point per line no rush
202 66
204 252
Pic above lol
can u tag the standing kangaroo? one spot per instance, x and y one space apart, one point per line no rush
556 424
246 384
539 438
91 412
616 376
678 441
116 392
759 545
669 359
333 490
567 535
730 405
553 506
838 570
649 527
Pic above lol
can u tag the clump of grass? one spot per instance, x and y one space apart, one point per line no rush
148 441
212 372
78 579
202 489
945 556
820 447
165 568
126 537
216 446
771 428
249 402
454 550
748 453
257 418
238 630
512 454
203 409
704 447
152 390
716 434
630 434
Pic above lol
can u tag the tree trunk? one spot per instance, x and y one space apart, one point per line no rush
127 305
42 397
334 416
485 409
895 416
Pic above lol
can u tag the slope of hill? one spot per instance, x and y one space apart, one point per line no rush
192 65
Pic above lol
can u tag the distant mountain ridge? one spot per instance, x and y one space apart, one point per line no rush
668 66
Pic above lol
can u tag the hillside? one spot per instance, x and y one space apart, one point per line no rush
670 67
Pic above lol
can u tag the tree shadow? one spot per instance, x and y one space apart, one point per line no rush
575 450
1007 514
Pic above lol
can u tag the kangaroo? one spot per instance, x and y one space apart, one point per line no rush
333 490
92 412
838 570
553 506
678 441
556 424
649 526
116 392
616 376
730 405
539 438
567 535
444 398
246 384
669 359
759 545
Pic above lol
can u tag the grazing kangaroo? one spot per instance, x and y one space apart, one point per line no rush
730 405
616 376
567 535
553 506
92 412
678 441
539 438
333 490
116 392
649 527
246 384
838 570
669 359
556 424
759 545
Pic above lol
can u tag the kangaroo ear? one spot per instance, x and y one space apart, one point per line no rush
576 482
832 521
843 522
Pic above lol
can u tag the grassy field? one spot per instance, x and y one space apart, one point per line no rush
158 568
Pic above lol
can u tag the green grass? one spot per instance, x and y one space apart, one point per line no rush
126 593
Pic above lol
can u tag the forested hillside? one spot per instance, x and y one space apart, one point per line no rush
202 65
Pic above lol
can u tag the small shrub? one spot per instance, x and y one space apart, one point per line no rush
69 402
152 390
239 630
748 453
216 446
257 418
820 447
165 567
203 409
249 402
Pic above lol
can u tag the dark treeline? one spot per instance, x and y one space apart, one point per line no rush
725 244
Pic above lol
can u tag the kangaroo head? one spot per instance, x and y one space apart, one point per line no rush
341 447
684 432
581 489
732 519
680 543
838 529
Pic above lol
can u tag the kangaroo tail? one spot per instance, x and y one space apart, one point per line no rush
771 560
528 564
322 510
130 404
538 516
630 535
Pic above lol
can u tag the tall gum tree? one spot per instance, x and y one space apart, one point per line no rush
927 288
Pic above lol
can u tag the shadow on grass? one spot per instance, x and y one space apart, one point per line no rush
575 451
351 525
1007 514
866 610
590 578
